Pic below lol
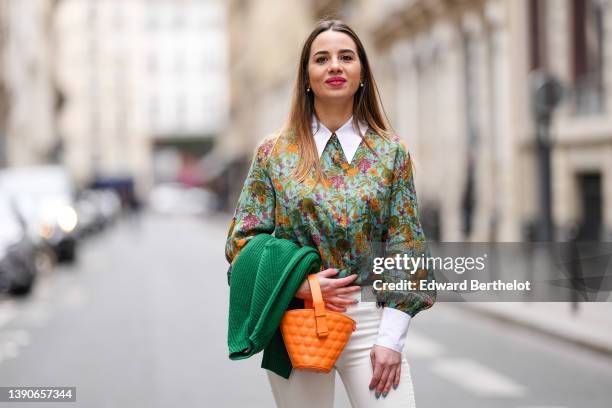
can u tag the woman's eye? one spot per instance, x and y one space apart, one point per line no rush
321 60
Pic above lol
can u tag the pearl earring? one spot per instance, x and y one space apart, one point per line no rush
361 84
308 89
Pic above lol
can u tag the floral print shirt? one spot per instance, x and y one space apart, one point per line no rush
356 205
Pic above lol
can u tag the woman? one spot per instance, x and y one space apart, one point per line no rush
336 179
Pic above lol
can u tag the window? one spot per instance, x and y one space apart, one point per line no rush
472 108
587 64
537 31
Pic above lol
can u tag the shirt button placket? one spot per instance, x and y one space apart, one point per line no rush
346 254
344 244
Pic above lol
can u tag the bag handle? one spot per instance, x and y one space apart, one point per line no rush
319 305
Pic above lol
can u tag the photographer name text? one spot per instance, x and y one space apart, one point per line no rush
467 284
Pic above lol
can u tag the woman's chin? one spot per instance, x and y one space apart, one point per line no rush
335 96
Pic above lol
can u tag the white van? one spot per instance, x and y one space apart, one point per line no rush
44 195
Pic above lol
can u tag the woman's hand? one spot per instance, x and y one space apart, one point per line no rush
333 290
386 367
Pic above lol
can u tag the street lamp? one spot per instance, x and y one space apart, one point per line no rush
546 93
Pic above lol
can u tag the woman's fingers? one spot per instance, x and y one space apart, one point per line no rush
334 308
341 282
390 379
398 373
386 369
332 284
377 370
338 300
332 289
347 290
384 377
327 273
331 293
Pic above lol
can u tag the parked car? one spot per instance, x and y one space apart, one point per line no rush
18 254
44 195
97 209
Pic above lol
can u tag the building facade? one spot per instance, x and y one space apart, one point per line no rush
28 96
455 78
265 42
145 85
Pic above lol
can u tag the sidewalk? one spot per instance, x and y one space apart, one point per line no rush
590 326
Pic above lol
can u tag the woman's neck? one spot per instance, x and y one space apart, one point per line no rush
333 115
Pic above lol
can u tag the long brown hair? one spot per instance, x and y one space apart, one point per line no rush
367 105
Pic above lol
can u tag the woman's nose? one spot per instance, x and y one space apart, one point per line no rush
334 65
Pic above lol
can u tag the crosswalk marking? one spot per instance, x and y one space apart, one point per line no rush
477 379
10 343
468 374
7 312
10 349
35 314
21 337
74 296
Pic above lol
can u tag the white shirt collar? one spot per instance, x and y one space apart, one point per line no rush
348 137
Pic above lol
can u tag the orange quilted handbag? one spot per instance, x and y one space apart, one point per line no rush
314 338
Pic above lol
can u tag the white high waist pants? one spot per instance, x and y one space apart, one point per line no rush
307 389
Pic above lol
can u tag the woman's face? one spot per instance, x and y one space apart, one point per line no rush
334 69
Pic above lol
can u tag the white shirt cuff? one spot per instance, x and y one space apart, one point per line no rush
393 329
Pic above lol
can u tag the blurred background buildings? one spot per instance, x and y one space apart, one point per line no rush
181 91
455 81
28 95
109 104
145 86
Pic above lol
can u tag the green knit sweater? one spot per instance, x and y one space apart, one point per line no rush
265 276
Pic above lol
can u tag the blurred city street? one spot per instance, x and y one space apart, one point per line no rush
127 129
140 321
